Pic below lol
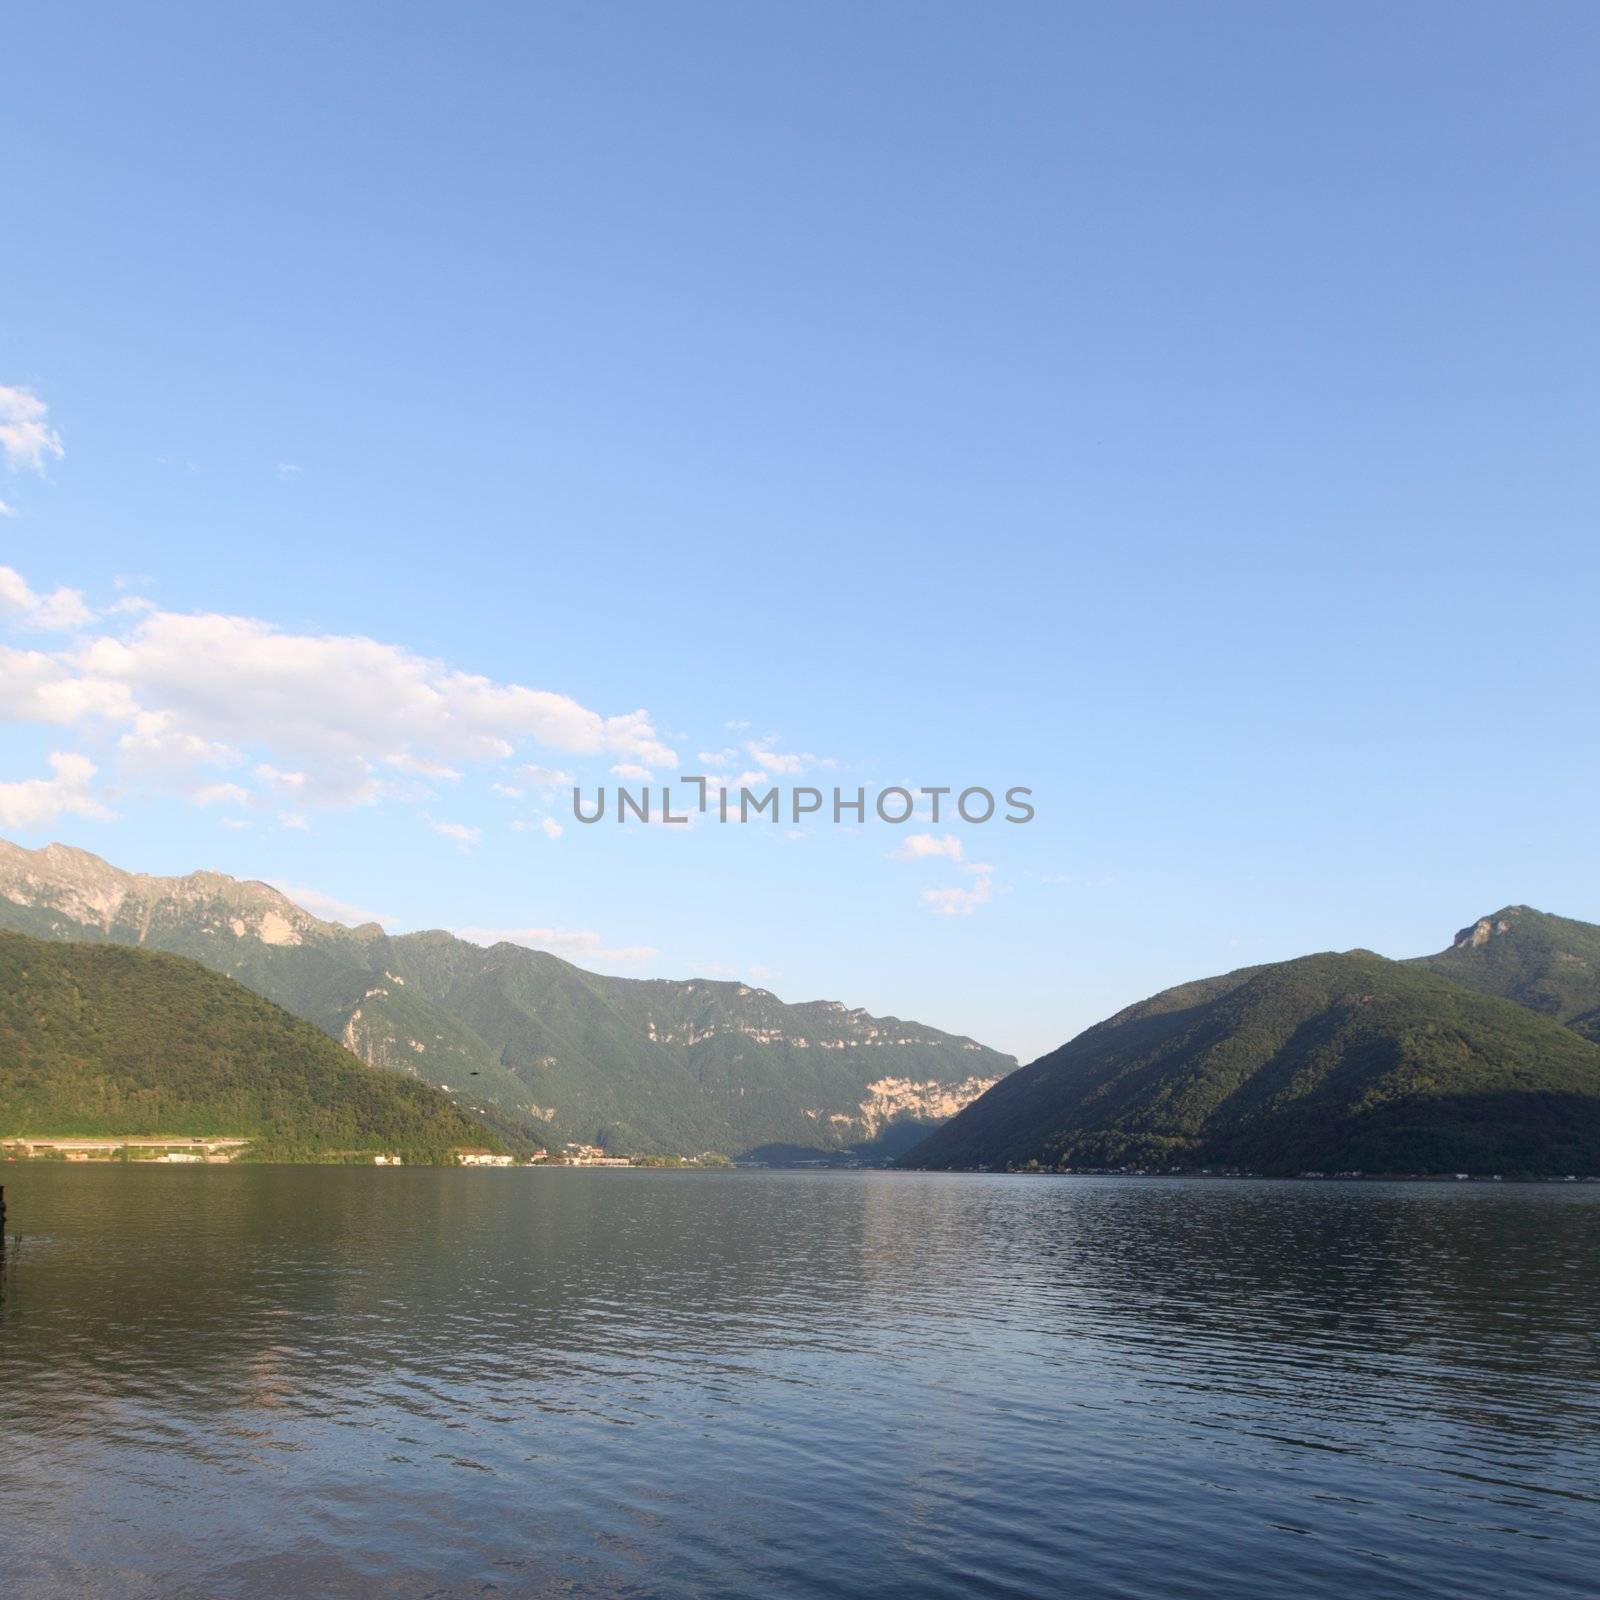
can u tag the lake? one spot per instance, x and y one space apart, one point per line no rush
286 1382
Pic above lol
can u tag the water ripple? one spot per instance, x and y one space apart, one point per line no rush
269 1382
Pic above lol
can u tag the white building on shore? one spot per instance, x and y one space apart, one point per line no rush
479 1157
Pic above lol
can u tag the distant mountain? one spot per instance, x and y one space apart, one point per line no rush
536 1045
102 1040
1548 964
1328 1063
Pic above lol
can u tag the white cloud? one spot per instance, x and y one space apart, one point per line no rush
283 782
957 901
343 700
329 907
37 687
157 750
632 772
1075 880
545 778
420 767
337 719
35 802
296 821
7 510
507 791
25 437
55 612
925 846
574 944
548 826
220 794
777 761
459 831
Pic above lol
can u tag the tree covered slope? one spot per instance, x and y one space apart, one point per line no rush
97 1039
1328 1063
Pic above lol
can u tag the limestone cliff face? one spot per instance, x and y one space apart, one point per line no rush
893 1099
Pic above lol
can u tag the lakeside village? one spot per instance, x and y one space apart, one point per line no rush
220 1151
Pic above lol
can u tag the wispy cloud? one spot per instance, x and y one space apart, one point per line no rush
327 906
220 794
954 900
463 835
548 826
962 900
783 763
545 779
26 439
929 846
421 767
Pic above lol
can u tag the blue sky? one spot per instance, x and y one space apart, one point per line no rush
1187 412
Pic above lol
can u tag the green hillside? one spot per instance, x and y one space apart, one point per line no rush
98 1039
692 1065
1548 964
1327 1063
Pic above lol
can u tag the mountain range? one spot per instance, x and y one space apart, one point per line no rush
538 1049
1481 1058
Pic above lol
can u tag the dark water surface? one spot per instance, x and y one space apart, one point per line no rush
356 1382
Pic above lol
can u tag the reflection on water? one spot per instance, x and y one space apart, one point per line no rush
303 1382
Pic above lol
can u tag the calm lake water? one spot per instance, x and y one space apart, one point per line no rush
296 1382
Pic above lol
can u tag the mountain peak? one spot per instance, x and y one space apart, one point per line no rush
59 880
1477 934
1547 963
1510 919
